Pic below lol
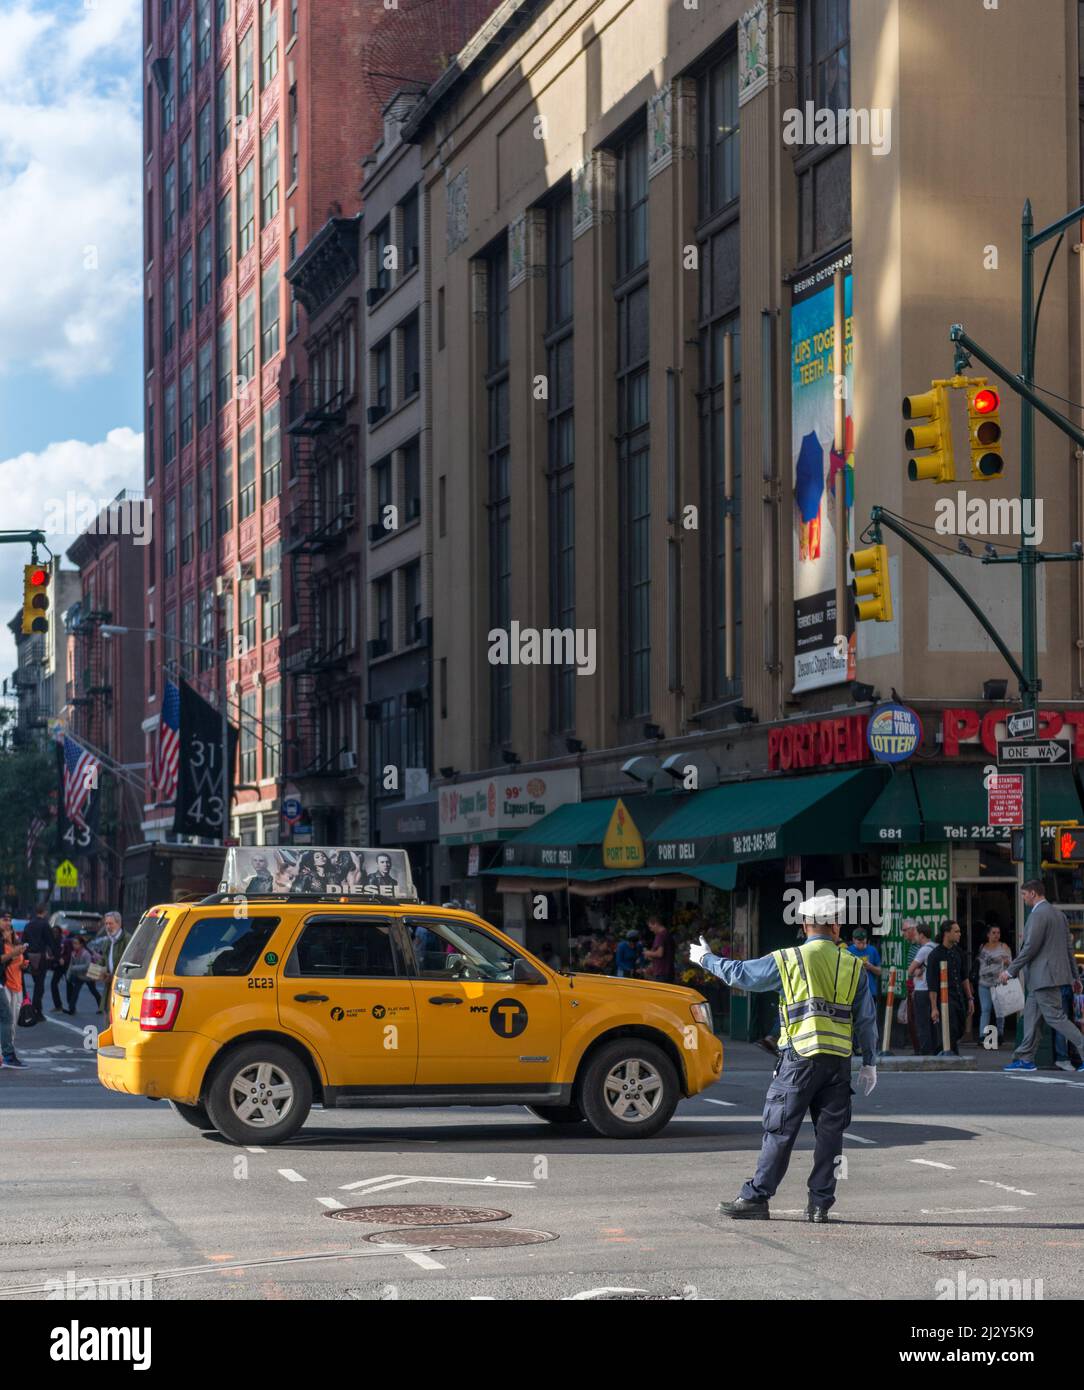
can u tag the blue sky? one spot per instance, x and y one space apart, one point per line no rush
70 243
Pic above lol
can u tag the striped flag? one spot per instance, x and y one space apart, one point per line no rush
33 834
80 779
167 756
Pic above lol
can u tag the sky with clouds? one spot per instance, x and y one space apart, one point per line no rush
70 244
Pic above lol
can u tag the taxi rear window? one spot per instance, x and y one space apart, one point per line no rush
224 945
137 957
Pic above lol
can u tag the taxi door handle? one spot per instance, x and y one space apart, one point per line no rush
445 999
311 998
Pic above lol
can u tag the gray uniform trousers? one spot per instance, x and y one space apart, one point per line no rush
821 1086
1040 1004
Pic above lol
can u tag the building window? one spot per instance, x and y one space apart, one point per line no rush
203 145
184 56
269 42
382 376
170 452
222 235
187 404
248 614
169 311
188 527
148 335
203 31
223 110
205 261
186 175
246 473
499 501
149 449
225 363
382 243
167 102
272 601
382 597
272 731
632 203
295 136
206 521
225 490
634 504
186 290
269 174
412 602
271 451
411 361
170 550
246 337
269 311
713 424
412 481
720 133
222 12
559 262
169 202
293 17
824 54
227 620
205 384
561 454
246 208
247 739
245 97
408 210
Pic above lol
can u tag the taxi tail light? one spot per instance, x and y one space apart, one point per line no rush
158 1009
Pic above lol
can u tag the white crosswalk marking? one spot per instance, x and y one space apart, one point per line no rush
291 1176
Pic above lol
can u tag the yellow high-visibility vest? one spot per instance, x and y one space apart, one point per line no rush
816 1013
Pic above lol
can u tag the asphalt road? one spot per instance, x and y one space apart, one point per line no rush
983 1166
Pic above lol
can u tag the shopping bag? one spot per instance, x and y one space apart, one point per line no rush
1008 999
901 1012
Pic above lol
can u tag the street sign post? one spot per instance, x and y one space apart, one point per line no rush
1022 724
1005 799
1035 752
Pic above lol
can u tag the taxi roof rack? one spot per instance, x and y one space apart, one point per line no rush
367 900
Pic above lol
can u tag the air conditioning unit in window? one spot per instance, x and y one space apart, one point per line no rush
348 760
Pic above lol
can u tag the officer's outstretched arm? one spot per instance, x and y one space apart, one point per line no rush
758 975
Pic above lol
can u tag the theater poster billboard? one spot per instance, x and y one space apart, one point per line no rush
822 459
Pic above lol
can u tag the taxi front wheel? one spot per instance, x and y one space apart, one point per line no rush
630 1089
260 1094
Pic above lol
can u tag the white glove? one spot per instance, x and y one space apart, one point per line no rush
698 952
867 1079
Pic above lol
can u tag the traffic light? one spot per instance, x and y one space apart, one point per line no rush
1069 844
936 436
35 598
872 593
984 431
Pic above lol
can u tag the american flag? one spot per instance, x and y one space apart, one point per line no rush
167 758
80 779
37 825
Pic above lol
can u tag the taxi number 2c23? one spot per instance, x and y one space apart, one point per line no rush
261 982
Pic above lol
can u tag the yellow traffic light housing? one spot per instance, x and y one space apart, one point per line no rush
872 591
35 598
936 436
984 431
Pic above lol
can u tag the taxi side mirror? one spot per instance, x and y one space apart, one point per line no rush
524 973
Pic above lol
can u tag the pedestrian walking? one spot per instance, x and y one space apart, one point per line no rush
824 1005
1047 956
12 956
870 958
39 944
660 954
109 948
994 957
1066 1057
920 993
628 960
80 963
960 1003
59 956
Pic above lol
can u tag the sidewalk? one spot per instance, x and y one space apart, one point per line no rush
746 1056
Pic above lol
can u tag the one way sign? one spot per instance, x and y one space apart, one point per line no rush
1022 724
1035 752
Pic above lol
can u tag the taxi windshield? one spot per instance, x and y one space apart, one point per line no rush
459 951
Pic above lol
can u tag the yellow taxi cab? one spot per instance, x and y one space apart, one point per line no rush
325 981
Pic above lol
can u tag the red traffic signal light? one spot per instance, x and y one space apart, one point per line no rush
985 401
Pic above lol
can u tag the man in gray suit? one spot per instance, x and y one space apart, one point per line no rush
1047 955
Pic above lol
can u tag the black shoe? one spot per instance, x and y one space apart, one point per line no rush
818 1215
745 1209
16 1062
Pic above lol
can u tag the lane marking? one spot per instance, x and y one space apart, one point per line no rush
291 1176
332 1203
1043 1080
388 1180
857 1138
1020 1191
254 1150
80 1081
72 1027
949 1211
929 1163
423 1261
708 1100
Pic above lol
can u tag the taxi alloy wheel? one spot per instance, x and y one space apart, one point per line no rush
630 1089
261 1093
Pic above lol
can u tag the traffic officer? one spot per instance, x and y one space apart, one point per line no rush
822 1004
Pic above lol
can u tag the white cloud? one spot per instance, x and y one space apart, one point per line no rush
70 185
60 479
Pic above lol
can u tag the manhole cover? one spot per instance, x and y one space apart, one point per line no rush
954 1255
420 1215
460 1237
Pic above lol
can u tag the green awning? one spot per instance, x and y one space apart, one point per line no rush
895 817
569 840
715 875
953 802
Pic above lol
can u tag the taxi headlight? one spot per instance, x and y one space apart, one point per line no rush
702 1014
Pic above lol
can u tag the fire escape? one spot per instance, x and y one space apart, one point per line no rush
316 526
90 695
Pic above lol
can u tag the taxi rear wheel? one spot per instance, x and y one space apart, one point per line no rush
192 1114
558 1114
260 1094
630 1089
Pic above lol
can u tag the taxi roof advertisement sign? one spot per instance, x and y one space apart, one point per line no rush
332 869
